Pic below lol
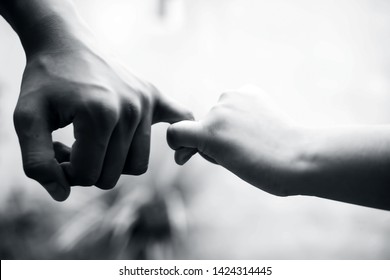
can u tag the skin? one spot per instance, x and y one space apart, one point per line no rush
68 79
247 134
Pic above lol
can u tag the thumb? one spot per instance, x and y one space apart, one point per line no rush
186 138
170 111
185 134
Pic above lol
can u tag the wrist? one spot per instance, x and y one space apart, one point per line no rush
305 162
293 177
47 25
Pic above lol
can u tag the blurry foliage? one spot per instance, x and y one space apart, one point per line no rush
141 222
26 228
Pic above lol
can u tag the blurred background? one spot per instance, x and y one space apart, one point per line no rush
324 62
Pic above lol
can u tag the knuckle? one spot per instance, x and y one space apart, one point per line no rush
107 110
133 112
144 95
103 107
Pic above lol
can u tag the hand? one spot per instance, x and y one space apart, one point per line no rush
246 134
111 110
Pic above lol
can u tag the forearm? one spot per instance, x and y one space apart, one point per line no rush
44 24
350 164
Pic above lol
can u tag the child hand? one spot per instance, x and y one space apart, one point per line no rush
246 134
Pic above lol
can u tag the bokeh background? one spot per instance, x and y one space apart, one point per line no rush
324 62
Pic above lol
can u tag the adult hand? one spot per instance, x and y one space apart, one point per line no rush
111 110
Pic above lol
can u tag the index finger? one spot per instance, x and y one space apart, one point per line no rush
92 131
